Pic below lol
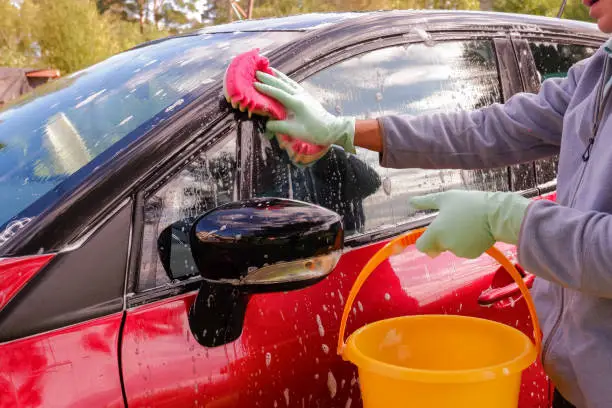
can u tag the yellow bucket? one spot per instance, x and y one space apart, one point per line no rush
438 361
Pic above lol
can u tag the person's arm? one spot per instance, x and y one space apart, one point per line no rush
526 127
369 135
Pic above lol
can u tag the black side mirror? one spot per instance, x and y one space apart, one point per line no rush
256 246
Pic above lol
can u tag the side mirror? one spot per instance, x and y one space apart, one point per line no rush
257 246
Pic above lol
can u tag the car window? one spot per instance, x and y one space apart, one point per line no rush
553 60
205 183
411 79
66 125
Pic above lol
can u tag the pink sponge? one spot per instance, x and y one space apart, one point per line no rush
240 92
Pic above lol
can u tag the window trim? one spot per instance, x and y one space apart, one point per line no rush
221 133
512 83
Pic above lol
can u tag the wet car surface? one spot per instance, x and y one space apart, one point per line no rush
106 172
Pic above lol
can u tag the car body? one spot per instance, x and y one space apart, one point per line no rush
96 165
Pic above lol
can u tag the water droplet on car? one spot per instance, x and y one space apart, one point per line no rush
424 36
268 359
386 185
320 325
331 384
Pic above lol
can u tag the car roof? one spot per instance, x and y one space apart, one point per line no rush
300 22
314 21
310 22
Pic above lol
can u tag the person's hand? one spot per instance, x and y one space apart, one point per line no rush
307 119
470 222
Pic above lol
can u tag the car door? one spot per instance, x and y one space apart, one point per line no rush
285 355
59 334
415 78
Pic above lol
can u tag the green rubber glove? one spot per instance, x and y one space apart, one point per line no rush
308 120
470 222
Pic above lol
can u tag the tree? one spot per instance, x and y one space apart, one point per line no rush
250 9
174 13
17 46
574 10
136 9
537 7
69 34
166 14
486 5
216 12
274 8
72 35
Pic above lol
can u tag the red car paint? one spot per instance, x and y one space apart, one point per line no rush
15 273
551 197
285 356
76 366
286 353
73 367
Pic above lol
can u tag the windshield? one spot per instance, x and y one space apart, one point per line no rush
52 133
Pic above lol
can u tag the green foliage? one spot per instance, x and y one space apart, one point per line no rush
16 36
574 9
66 34
170 14
217 11
537 7
127 33
72 34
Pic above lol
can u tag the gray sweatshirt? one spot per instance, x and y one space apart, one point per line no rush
567 244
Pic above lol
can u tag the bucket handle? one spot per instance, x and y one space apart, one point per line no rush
396 246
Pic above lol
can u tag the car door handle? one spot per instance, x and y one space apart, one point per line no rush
492 296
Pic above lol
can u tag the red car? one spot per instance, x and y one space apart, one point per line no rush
136 234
